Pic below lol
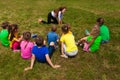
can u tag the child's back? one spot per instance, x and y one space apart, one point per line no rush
40 53
104 33
4 34
26 46
4 37
69 41
26 49
52 36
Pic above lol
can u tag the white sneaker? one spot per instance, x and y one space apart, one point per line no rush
52 43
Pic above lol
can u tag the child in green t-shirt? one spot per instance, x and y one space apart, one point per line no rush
104 32
4 34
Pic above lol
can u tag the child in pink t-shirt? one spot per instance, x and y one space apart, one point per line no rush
26 46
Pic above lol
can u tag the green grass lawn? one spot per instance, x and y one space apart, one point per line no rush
81 14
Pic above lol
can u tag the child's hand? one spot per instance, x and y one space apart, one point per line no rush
56 66
28 68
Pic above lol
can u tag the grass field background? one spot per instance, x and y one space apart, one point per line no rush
81 14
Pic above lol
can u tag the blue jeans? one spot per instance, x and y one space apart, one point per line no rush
51 49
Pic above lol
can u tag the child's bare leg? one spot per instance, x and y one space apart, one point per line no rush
16 50
53 44
63 50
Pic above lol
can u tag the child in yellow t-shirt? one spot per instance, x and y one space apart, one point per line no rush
68 46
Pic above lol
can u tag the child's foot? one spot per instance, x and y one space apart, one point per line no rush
40 20
16 50
64 56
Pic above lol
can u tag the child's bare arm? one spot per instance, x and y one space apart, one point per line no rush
32 63
50 62
62 49
19 39
82 39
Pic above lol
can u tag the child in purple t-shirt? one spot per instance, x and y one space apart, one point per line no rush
26 46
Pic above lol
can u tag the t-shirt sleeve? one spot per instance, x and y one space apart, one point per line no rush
59 15
33 50
62 39
46 51
57 37
32 44
21 44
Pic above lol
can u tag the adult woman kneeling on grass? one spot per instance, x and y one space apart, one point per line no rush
54 16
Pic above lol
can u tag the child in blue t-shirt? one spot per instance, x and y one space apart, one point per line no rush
40 53
52 39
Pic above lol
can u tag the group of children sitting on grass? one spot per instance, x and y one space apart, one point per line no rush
38 50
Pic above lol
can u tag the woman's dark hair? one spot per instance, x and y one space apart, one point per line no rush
12 30
65 29
61 8
39 41
5 25
27 36
100 21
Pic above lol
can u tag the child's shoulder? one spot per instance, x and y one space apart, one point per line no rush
4 30
44 46
89 38
24 41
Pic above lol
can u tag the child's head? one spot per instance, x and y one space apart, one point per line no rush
5 25
12 30
100 21
27 36
39 41
14 27
54 28
63 9
68 26
65 29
